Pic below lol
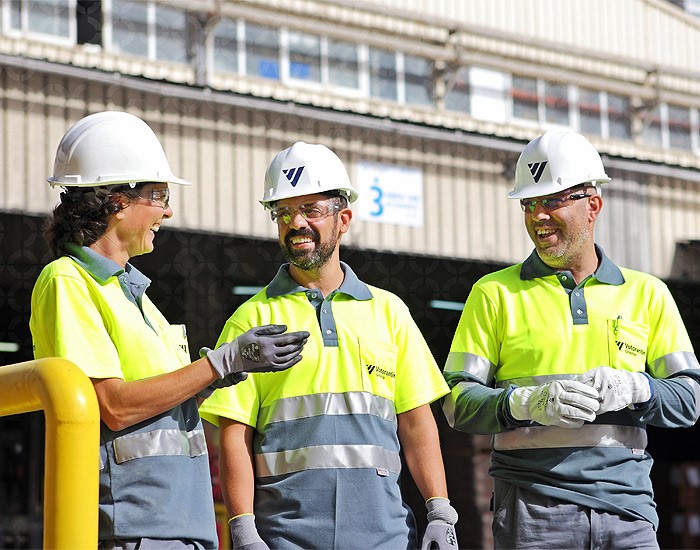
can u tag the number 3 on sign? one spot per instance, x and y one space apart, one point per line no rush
377 200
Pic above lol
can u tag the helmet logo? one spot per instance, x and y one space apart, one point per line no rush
536 169
293 174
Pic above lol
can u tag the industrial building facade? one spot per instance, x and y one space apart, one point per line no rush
429 110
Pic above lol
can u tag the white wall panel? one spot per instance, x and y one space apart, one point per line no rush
647 30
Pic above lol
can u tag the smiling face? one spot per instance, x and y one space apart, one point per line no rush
309 244
563 237
131 230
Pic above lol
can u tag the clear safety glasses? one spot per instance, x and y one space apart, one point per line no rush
552 203
312 211
159 197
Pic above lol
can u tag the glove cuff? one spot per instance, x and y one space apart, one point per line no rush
243 530
518 405
439 509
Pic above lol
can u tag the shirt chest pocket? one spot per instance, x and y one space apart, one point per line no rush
378 364
627 345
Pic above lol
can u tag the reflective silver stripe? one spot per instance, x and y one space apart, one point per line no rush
326 456
304 406
588 435
475 365
534 380
449 404
159 443
673 363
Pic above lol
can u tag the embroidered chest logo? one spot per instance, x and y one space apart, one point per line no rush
629 348
380 372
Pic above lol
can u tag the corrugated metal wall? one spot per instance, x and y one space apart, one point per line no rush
225 149
651 31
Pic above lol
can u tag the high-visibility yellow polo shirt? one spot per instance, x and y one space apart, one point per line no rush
85 318
89 310
326 446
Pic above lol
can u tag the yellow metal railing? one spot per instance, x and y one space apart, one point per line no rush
71 468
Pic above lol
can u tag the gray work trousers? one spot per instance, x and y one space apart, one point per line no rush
523 519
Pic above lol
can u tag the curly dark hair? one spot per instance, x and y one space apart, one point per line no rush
83 214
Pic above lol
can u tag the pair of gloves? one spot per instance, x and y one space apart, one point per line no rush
570 403
439 534
261 349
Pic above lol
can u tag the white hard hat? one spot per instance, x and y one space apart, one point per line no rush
110 148
556 161
306 169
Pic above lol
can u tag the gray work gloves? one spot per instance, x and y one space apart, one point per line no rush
561 403
440 532
244 534
261 349
618 388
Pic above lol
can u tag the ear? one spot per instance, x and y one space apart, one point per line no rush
595 205
119 203
345 216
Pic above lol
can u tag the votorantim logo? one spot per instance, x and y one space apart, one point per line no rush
377 371
293 174
536 169
629 348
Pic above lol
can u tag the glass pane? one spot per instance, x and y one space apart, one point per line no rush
619 119
304 56
679 127
418 74
382 74
171 35
226 46
589 111
457 98
556 103
525 98
343 64
652 127
48 17
130 27
16 14
262 51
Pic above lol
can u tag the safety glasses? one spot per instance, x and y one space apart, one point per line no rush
312 211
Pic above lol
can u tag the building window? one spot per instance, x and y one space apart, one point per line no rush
525 98
457 96
262 51
171 35
150 30
304 57
418 78
556 103
679 130
130 27
382 74
343 64
589 112
225 52
619 117
53 19
652 132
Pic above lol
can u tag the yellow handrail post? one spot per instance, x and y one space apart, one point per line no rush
71 478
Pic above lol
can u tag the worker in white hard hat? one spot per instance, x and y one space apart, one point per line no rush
566 358
90 306
323 439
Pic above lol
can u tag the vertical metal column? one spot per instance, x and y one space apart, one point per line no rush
71 479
